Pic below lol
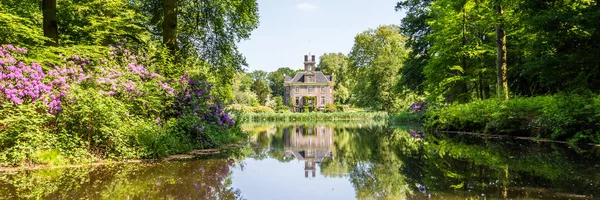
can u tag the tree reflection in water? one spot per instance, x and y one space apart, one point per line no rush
403 162
380 162
199 179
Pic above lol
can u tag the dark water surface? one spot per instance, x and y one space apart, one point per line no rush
336 161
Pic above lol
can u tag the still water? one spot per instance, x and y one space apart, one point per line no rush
358 160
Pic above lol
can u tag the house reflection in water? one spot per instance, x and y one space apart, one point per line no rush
310 144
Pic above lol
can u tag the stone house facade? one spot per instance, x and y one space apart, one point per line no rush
308 83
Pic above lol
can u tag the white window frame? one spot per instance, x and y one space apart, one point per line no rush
310 89
297 89
297 101
322 100
322 89
310 79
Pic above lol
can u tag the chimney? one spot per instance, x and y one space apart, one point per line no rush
313 58
305 58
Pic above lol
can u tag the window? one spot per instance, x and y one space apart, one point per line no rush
297 101
322 88
310 88
330 90
310 79
297 89
322 100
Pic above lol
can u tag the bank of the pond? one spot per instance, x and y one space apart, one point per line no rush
407 117
229 150
572 118
257 117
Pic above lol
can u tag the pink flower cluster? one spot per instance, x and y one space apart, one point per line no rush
22 83
127 76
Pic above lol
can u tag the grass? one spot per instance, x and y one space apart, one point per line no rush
338 123
336 116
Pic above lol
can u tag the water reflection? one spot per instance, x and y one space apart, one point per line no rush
198 179
310 144
337 161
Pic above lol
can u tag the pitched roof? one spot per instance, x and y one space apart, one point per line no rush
287 79
299 78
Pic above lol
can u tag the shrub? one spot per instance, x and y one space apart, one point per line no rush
330 108
342 108
118 108
558 117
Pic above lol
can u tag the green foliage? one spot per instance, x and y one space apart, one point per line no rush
310 103
99 22
454 52
558 117
330 108
415 27
256 117
23 132
375 60
20 24
245 98
276 79
337 64
262 90
240 108
407 117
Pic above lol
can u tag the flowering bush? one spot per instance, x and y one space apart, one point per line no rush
117 107
418 107
21 83
195 99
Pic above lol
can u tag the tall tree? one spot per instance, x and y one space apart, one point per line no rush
415 27
276 79
375 59
262 90
259 75
170 8
461 53
501 63
50 24
337 64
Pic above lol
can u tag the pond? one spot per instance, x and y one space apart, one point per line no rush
357 160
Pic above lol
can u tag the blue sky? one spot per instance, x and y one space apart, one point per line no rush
287 26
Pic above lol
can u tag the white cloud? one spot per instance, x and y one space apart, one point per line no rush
306 6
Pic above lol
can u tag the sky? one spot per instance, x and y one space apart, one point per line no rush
290 29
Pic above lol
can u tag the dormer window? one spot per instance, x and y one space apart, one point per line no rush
310 79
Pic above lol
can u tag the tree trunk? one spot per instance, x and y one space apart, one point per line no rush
501 65
49 23
170 25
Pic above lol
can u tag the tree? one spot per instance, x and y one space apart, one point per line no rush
415 27
501 68
276 80
337 64
209 29
19 23
461 52
49 23
262 91
375 59
258 75
170 25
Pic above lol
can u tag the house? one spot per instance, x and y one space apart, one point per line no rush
308 88
310 144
